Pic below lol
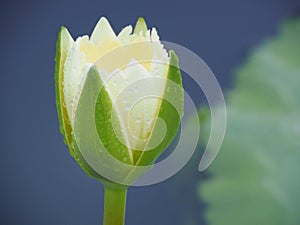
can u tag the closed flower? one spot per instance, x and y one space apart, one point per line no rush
122 91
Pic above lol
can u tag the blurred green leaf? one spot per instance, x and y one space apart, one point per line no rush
255 177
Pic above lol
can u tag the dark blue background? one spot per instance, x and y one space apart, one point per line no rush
40 182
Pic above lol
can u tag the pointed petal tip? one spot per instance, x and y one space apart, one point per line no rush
140 26
126 30
62 28
141 19
104 22
102 30
93 69
103 19
124 35
173 55
65 33
132 61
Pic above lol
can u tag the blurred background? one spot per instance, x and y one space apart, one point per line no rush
42 184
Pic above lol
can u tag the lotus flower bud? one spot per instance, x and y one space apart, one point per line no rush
118 97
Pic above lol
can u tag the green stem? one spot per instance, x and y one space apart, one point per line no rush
114 206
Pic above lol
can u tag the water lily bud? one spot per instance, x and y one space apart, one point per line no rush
117 96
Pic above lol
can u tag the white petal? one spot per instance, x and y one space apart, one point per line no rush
66 37
135 70
85 69
154 35
102 31
83 39
115 82
147 35
73 70
124 35
143 112
159 52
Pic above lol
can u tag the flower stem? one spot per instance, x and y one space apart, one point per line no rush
114 206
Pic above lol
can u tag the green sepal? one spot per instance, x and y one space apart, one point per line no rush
107 133
93 132
63 44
